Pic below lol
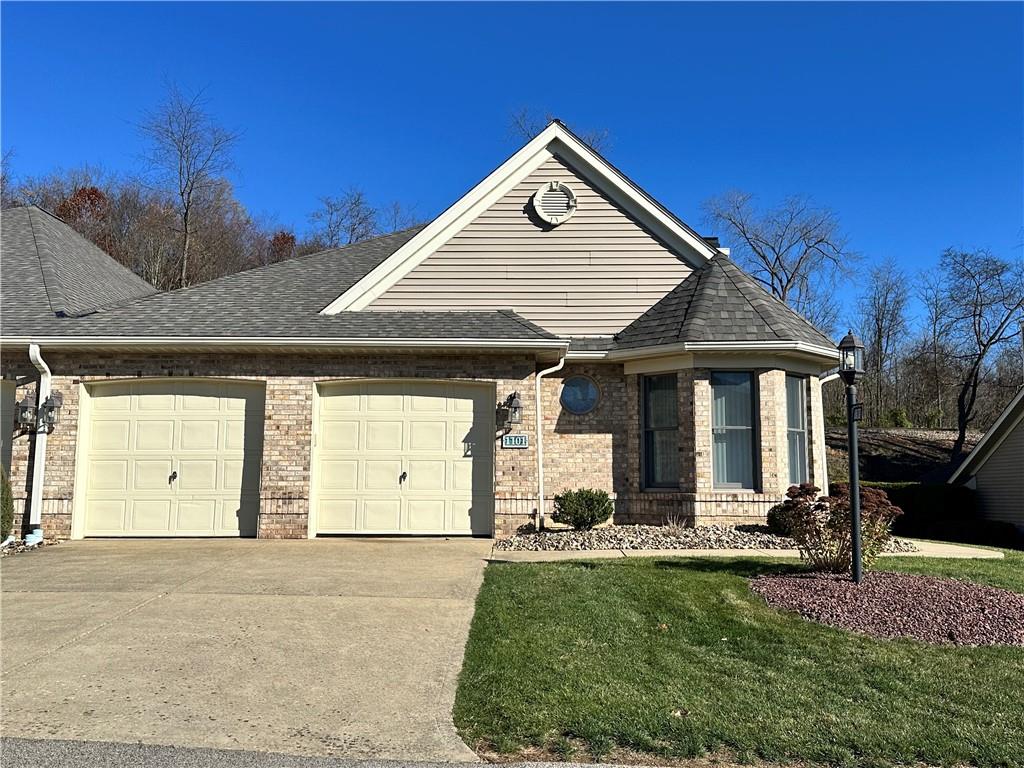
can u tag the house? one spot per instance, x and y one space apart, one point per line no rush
555 328
995 468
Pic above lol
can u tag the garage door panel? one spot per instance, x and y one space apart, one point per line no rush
381 474
152 475
151 516
155 402
384 402
382 514
154 435
109 475
427 515
110 435
426 475
438 433
340 435
337 515
197 516
340 475
384 435
143 432
199 435
105 515
428 435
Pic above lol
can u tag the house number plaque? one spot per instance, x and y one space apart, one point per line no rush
515 441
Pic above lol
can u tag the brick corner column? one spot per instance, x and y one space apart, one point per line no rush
285 468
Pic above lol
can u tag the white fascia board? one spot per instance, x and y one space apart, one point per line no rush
553 139
586 355
738 347
281 341
987 445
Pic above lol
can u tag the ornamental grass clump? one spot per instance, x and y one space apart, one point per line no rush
583 508
821 526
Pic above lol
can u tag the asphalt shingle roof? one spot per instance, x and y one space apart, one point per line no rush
718 302
279 300
47 269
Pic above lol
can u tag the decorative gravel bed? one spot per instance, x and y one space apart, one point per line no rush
889 605
661 537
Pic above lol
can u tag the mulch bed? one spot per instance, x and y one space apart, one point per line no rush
891 605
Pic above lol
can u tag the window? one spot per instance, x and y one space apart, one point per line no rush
732 428
579 395
661 431
796 428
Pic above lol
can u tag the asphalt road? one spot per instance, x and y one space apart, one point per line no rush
51 753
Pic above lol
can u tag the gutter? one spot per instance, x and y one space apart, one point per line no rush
39 449
540 439
285 341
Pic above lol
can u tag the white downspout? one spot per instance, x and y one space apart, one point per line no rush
39 451
540 439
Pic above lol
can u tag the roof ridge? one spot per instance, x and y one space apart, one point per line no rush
768 324
48 270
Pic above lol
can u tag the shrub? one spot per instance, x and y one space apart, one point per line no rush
820 525
6 505
947 513
583 508
778 517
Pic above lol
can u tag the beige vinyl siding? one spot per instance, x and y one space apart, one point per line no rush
1000 480
592 275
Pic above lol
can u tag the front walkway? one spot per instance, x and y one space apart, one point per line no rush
925 549
347 647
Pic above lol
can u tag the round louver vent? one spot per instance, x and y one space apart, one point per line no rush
554 202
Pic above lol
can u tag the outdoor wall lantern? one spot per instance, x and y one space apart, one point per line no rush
49 411
25 415
851 366
511 411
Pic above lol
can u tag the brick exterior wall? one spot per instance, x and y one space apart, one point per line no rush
598 450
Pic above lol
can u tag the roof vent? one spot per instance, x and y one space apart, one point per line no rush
554 202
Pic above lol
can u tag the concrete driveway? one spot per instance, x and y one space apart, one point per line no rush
345 647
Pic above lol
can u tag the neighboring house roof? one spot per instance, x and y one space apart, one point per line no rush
555 139
48 269
719 302
276 301
1011 416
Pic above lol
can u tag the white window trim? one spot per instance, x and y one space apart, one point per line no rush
755 432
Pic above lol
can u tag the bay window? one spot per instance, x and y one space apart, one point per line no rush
796 428
661 431
733 415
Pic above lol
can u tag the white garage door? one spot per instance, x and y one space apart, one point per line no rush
404 457
173 458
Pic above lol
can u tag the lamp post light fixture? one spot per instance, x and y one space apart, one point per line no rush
851 366
49 411
25 415
512 410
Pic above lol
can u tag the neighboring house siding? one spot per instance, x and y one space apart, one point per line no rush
592 275
1000 480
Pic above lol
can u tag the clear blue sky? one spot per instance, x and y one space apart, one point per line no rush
907 119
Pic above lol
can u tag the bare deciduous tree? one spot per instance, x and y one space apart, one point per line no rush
189 153
6 180
884 325
526 123
343 220
796 250
983 303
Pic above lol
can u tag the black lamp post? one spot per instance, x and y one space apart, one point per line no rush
851 365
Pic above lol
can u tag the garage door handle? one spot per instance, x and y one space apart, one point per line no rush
402 477
173 477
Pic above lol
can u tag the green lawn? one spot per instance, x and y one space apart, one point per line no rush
677 658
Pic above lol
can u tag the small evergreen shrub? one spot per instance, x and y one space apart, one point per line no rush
583 508
6 505
820 525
